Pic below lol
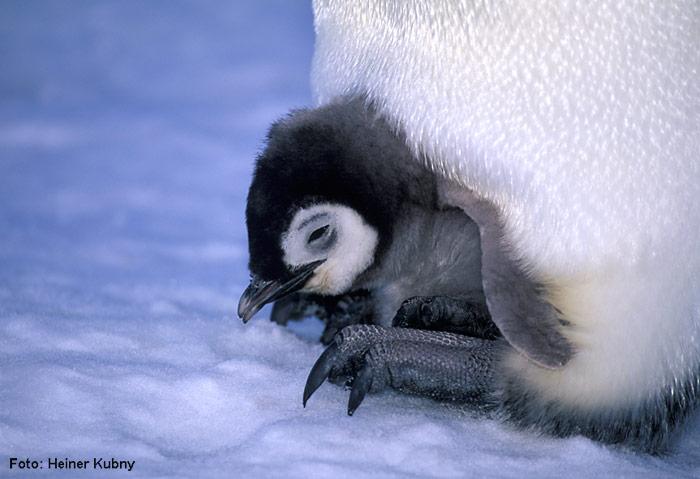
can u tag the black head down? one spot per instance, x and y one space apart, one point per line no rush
341 153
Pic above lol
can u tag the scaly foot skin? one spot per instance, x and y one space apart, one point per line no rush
429 363
442 313
335 311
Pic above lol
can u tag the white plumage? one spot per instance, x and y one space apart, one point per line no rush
353 252
580 121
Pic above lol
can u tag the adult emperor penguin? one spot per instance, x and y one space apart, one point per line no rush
570 131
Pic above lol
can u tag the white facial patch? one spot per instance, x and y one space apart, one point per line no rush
336 234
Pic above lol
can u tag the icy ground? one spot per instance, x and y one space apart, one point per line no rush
127 135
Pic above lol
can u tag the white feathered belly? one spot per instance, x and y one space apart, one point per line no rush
582 122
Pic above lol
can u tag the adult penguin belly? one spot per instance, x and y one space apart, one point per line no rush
571 133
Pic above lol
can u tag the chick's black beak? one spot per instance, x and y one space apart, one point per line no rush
260 292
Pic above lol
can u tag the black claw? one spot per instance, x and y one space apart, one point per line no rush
320 371
360 386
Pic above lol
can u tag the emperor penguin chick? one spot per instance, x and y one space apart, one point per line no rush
335 206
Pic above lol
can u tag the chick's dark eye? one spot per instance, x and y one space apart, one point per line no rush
316 234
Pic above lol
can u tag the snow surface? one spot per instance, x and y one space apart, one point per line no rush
127 136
